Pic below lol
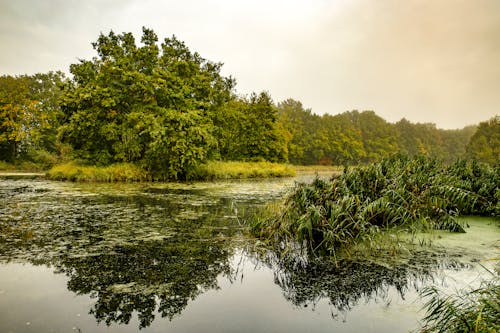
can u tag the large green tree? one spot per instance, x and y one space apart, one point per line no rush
151 104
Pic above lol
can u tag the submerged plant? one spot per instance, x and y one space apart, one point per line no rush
414 193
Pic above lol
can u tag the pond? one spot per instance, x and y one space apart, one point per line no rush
175 257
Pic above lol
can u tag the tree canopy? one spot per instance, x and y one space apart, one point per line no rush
167 109
484 145
29 113
148 104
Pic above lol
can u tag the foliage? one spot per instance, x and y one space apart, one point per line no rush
150 105
248 130
484 145
415 193
111 173
29 114
476 310
359 137
232 170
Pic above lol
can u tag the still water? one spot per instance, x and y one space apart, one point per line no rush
176 258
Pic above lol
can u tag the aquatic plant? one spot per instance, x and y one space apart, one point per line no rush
476 310
415 193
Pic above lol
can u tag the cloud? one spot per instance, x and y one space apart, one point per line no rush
428 61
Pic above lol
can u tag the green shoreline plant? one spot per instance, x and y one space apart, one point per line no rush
212 170
475 310
415 194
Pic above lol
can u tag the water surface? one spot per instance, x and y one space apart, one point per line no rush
176 258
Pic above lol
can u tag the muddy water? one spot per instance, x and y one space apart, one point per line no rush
174 257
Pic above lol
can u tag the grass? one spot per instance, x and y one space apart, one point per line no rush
212 170
113 173
475 310
24 166
237 170
318 168
399 192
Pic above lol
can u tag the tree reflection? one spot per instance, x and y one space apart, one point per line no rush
148 252
155 251
165 274
346 282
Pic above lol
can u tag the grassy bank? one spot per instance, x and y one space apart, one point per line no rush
407 193
113 173
21 167
237 170
318 168
212 170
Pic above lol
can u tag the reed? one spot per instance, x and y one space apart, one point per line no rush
71 171
399 192
475 310
213 170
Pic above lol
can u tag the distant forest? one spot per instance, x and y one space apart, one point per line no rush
167 109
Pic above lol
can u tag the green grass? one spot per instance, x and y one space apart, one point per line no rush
113 173
212 170
318 168
237 170
23 166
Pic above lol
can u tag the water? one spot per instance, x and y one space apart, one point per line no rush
176 258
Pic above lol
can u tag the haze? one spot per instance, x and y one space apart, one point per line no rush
426 61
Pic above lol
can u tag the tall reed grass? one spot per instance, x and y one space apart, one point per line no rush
234 170
475 310
212 170
113 173
414 193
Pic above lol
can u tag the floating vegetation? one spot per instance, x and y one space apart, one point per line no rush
413 194
145 251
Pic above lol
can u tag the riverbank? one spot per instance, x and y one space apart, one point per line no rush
213 170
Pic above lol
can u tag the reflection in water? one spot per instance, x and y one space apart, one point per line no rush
346 282
135 278
145 249
128 252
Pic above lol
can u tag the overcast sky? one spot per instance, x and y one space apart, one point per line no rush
427 61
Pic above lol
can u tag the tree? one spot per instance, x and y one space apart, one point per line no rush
484 145
151 105
378 136
29 113
265 139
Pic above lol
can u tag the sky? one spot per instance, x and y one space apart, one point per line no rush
434 61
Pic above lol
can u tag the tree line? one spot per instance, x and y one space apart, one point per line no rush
355 137
167 109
